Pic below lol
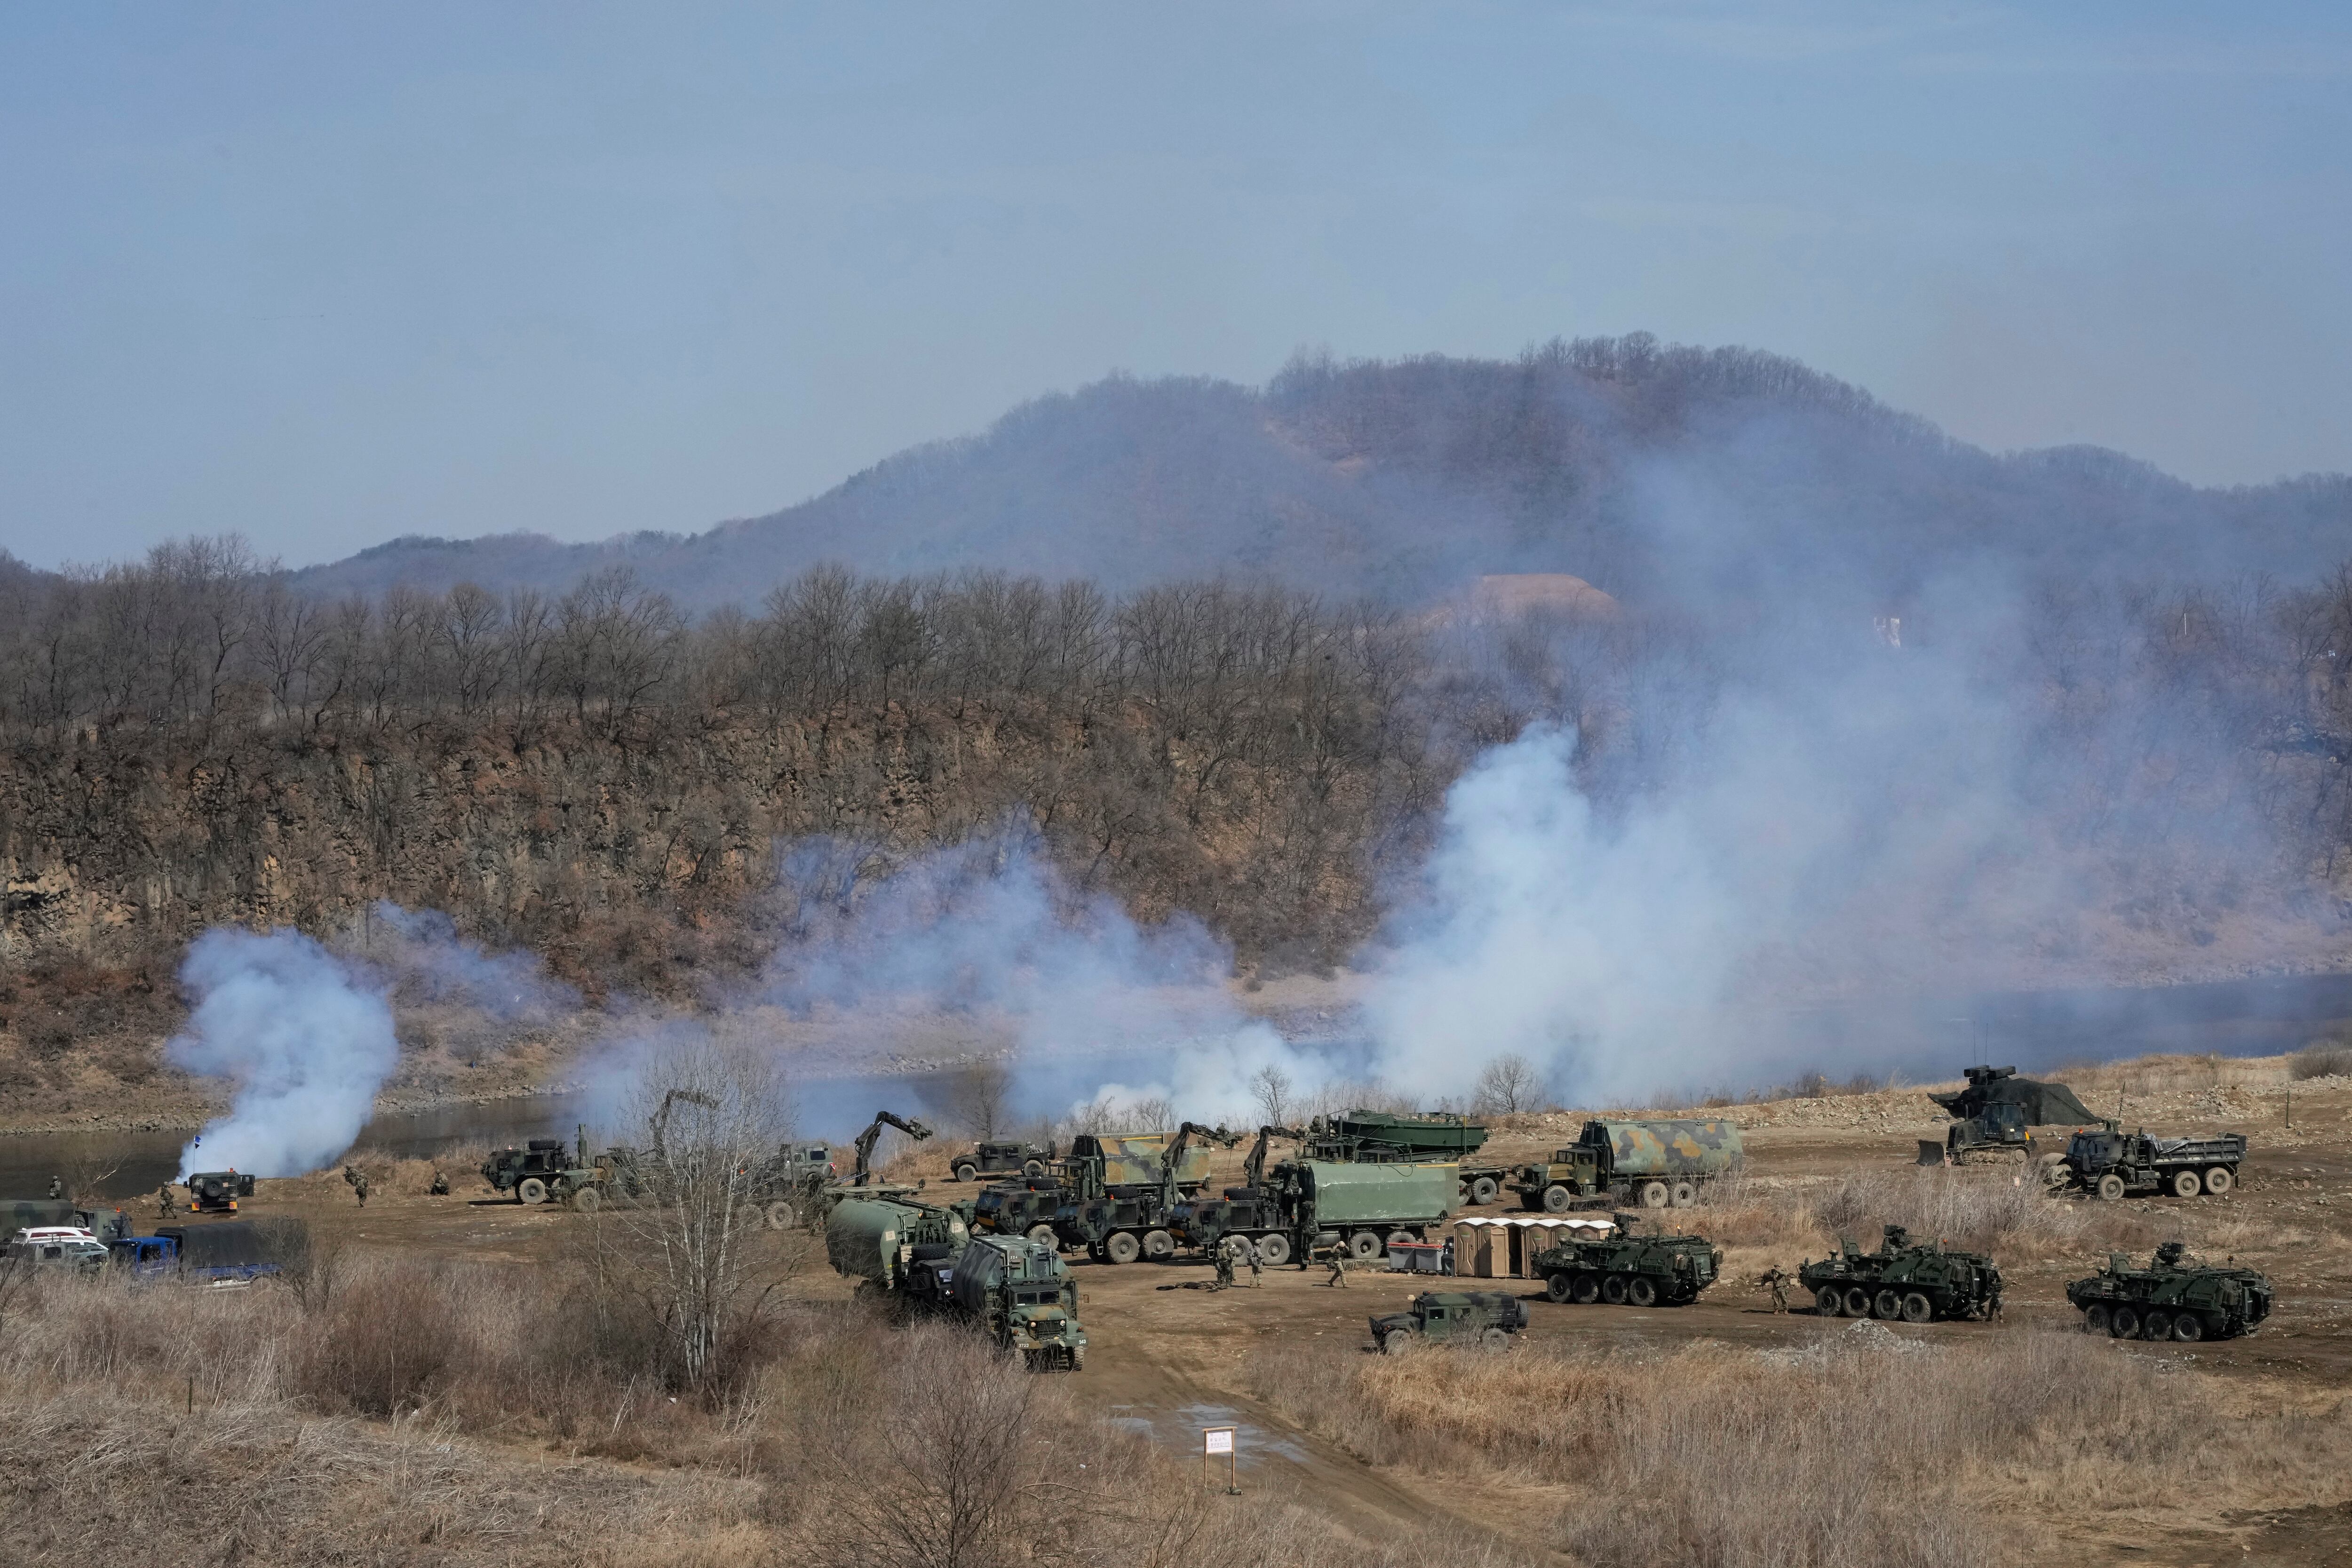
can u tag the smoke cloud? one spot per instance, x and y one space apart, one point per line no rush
421 952
306 1038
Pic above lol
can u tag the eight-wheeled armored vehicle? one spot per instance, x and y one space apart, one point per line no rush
1916 1281
2172 1299
1630 1269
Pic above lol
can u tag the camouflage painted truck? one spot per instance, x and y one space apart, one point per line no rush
1485 1318
1304 1205
1916 1282
1018 1293
1370 1136
2111 1163
2172 1298
1628 1269
1119 1190
1653 1164
1025 1207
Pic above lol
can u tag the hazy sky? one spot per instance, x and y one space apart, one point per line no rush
328 274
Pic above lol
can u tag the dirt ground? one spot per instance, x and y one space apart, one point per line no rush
1170 1357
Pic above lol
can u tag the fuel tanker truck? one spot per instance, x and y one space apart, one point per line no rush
920 1259
1304 1205
1653 1164
879 1241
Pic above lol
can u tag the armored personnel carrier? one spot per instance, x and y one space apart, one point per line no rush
1626 1269
2172 1298
1488 1318
1916 1281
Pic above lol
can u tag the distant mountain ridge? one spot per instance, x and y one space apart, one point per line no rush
1627 463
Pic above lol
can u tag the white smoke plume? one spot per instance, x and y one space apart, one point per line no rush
306 1038
421 952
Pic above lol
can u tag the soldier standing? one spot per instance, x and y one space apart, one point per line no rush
1338 1267
358 1185
1225 1268
164 1201
1256 1264
56 1188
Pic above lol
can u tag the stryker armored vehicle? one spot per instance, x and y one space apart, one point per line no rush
1994 1116
2172 1298
1120 1192
216 1192
1362 1136
1917 1282
2112 1163
1019 1208
1627 1270
990 1158
1304 1205
1653 1164
1017 1292
1488 1318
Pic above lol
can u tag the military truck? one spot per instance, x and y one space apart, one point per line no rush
1018 1292
1304 1205
990 1158
1019 1208
1486 1317
789 1188
19 1214
1994 1116
1361 1136
216 1192
1918 1282
2172 1298
1119 1191
879 1242
1630 1269
1653 1164
2112 1163
231 1253
548 1170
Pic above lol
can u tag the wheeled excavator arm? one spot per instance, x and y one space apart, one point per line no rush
1172 1156
1253 1167
864 1142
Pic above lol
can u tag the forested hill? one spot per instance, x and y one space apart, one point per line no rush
1620 460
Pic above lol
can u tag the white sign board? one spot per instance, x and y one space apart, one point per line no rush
1217 1440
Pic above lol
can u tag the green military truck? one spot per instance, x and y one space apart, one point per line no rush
990 1158
549 1170
1627 1270
879 1241
1304 1205
1119 1190
2172 1298
1485 1318
2111 1163
1019 1208
1020 1295
1653 1164
1918 1282
1362 1136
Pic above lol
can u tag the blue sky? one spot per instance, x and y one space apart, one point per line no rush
327 274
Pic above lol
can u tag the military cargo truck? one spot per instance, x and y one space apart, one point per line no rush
1653 1164
989 1158
879 1241
2172 1299
2111 1164
1918 1282
1488 1317
1304 1205
1629 1269
1019 1208
1018 1293
545 1170
1361 1136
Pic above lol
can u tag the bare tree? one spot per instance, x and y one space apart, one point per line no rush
1509 1085
977 1097
1271 1087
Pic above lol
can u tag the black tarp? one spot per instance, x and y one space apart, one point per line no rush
2042 1104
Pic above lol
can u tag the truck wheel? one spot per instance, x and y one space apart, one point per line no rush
963 1170
1557 1286
1656 1195
782 1216
532 1189
1077 1358
1918 1309
2218 1181
1122 1248
2187 1327
2185 1184
1483 1190
1401 1238
2156 1326
1396 1341
587 1199
1585 1289
1032 1169
2111 1186
1612 1289
1494 1339
1043 1235
1857 1302
2122 1322
1886 1304
1642 1291
1364 1245
1685 1194
1159 1246
1829 1301
1273 1250
2095 1318
1556 1199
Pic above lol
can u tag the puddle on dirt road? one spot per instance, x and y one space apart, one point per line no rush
1179 1431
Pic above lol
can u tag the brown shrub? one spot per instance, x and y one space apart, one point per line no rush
2321 1059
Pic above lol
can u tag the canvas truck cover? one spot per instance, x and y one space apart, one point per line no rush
991 1261
1133 1158
1690 1146
229 1243
1369 1194
2042 1104
1435 1136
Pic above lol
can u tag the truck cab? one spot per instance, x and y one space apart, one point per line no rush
216 1192
145 1256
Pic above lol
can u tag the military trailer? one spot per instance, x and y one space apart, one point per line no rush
1019 1208
1486 1317
1918 1282
2111 1164
2172 1298
1361 1136
1304 1205
988 1159
1653 1164
1018 1292
1629 1269
879 1241
216 1192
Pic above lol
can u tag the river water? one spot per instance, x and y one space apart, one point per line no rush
1921 1039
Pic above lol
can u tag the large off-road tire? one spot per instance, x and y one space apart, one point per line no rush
962 1171
1829 1301
1857 1302
2188 1328
1043 1234
1556 1199
587 1199
1557 1286
1917 1308
1273 1250
1494 1339
2156 1325
2122 1322
1122 1248
1077 1358
1396 1341
1159 1246
1656 1195
531 1190
1364 1245
1483 1191
1642 1291
1585 1289
2219 1180
2110 1187
1612 1289
2095 1318
781 1215
2186 1185
1886 1305
1685 1194
1032 1169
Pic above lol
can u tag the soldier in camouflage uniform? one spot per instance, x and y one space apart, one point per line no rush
56 1188
164 1201
440 1187
1225 1269
1776 1281
1336 1257
359 1186
1256 1264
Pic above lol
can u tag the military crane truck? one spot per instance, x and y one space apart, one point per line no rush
1652 1163
1119 1191
1304 1205
1368 1136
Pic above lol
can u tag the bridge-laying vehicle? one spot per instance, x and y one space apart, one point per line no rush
1994 1117
1304 1205
1629 1268
1488 1317
1655 1163
1916 1281
1370 1136
2173 1298
1118 1192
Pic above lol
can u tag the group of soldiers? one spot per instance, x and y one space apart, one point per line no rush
1238 1253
